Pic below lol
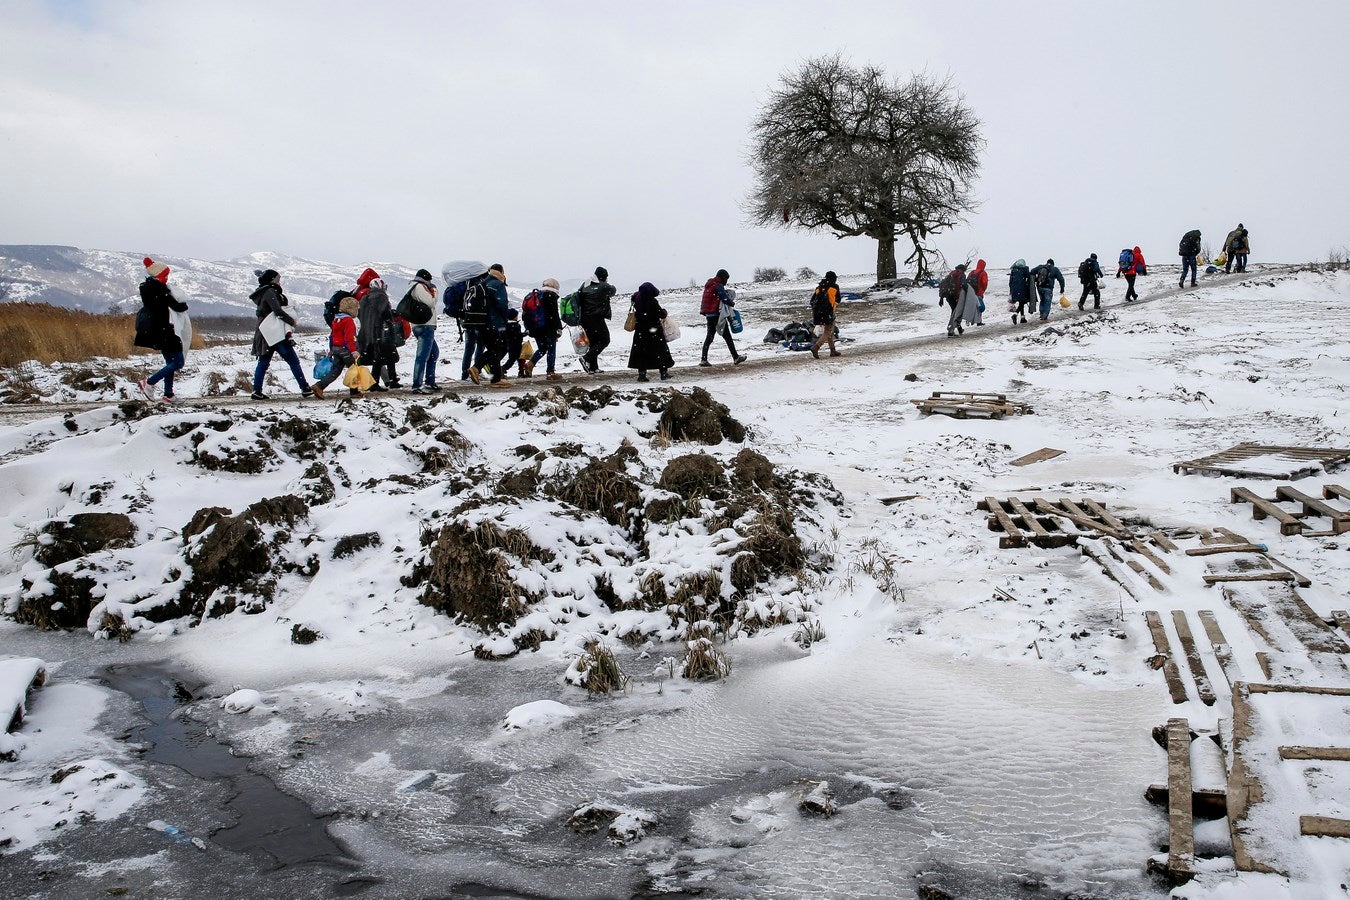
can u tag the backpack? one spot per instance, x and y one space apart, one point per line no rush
532 312
1126 260
453 299
821 309
1190 244
475 313
567 310
1043 278
331 305
948 289
414 310
1086 274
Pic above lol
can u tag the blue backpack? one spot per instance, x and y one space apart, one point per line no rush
532 312
453 298
1126 259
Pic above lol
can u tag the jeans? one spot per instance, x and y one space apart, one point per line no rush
1047 295
474 346
597 333
1188 265
1242 262
712 333
548 344
287 352
428 351
172 363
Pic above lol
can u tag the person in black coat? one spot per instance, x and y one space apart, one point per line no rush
546 329
650 350
593 306
271 301
159 334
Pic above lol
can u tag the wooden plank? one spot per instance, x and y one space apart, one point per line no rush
1171 674
1261 508
1015 536
1223 548
1342 619
1222 652
1202 685
1312 505
1040 455
1263 661
1145 574
1067 510
1211 625
1334 491
1181 823
1244 788
1323 826
1151 556
1028 518
1299 689
1206 803
1335 754
1163 541
1099 510
1262 576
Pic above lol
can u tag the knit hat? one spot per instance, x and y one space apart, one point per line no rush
267 276
961 266
513 314
423 275
602 273
723 276
349 306
1093 256
157 270
551 284
1049 262
831 278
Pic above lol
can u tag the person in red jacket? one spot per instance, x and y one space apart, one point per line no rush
1129 266
715 297
1140 267
979 281
341 345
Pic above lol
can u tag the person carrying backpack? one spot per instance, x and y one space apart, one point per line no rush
649 350
158 334
1129 267
341 345
1044 277
824 305
472 306
1089 270
1019 290
1189 250
418 306
270 300
498 310
1140 266
977 284
593 307
952 290
543 324
715 297
376 319
1238 247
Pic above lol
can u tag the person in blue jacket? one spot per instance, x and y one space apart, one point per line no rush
1019 290
499 307
1044 277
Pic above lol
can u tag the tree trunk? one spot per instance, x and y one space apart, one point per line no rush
885 257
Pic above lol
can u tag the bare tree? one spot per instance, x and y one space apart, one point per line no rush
850 151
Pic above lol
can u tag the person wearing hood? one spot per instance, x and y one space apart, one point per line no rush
649 350
545 326
1238 248
593 307
1089 270
1019 290
1129 267
957 300
423 291
498 311
342 347
716 298
977 283
1140 267
270 300
159 300
376 318
1044 277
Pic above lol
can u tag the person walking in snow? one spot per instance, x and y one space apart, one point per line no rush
1019 290
158 301
515 342
498 308
421 301
1237 246
1089 270
824 308
1189 251
271 301
649 350
593 307
376 319
544 325
952 289
1044 277
342 349
978 283
1129 267
1140 267
714 309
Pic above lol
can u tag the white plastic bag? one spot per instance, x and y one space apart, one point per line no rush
273 329
462 270
182 326
670 328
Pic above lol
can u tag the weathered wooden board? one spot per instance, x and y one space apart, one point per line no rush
1323 826
1040 455
1335 754
1171 674
1181 823
1261 508
1301 461
1202 685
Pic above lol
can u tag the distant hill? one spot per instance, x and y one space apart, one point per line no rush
104 280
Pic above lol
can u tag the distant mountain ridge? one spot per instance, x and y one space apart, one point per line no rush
103 280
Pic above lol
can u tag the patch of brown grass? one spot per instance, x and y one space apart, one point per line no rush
49 334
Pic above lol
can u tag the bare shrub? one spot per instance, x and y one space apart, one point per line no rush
881 565
703 661
769 274
597 670
806 273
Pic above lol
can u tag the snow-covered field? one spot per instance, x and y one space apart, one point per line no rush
909 709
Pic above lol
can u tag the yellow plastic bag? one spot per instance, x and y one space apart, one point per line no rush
526 349
1221 259
358 378
1064 301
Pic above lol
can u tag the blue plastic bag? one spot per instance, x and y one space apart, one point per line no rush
323 368
736 324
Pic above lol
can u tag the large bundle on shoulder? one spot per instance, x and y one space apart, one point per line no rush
458 274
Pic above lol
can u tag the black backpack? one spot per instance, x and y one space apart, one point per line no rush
1190 243
332 304
820 302
949 289
414 310
476 303
1043 277
1086 274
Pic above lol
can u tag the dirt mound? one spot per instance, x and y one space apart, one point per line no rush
66 605
82 534
694 475
233 553
603 486
470 573
696 416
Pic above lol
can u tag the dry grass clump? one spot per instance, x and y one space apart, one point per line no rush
703 661
598 670
51 334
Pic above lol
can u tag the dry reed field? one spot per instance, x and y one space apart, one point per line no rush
51 334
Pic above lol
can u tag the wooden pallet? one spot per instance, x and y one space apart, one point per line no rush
1292 521
1289 463
964 404
1050 523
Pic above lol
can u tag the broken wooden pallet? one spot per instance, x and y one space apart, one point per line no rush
1291 521
963 404
1250 460
1050 523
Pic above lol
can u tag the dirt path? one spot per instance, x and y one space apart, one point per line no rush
997 328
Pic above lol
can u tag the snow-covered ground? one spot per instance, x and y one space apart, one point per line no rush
967 742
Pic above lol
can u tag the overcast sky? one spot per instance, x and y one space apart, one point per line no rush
554 136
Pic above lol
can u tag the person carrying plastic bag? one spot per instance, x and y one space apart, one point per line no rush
715 307
273 334
341 345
